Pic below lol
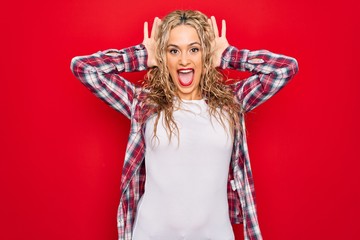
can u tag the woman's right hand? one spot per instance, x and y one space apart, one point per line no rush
150 42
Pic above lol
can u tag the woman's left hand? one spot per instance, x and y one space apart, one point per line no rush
220 43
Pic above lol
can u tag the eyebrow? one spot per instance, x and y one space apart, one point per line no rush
191 44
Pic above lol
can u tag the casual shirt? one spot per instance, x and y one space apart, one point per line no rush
100 72
183 171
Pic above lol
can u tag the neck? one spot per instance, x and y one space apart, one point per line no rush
190 96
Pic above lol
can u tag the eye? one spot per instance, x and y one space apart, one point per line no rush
173 51
194 50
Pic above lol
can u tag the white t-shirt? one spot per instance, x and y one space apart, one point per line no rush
186 182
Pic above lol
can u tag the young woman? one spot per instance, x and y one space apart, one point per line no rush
186 173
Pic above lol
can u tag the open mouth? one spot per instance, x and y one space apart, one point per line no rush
186 76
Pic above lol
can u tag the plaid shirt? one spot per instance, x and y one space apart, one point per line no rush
100 73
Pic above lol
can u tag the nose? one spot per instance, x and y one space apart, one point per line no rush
184 59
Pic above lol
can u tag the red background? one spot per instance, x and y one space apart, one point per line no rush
62 149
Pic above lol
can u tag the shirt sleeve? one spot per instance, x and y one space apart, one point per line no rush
270 73
99 72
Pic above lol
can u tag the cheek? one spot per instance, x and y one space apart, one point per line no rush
198 62
170 65
173 76
200 67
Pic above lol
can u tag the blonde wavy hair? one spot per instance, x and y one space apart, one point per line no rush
162 90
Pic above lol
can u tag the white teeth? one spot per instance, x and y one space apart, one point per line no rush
185 71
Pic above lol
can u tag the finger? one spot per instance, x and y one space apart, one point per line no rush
146 30
216 30
157 26
223 29
210 23
153 29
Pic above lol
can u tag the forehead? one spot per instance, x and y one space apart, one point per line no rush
183 35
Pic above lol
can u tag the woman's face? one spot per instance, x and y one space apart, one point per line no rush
184 61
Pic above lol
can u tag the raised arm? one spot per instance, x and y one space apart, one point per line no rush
99 72
271 72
